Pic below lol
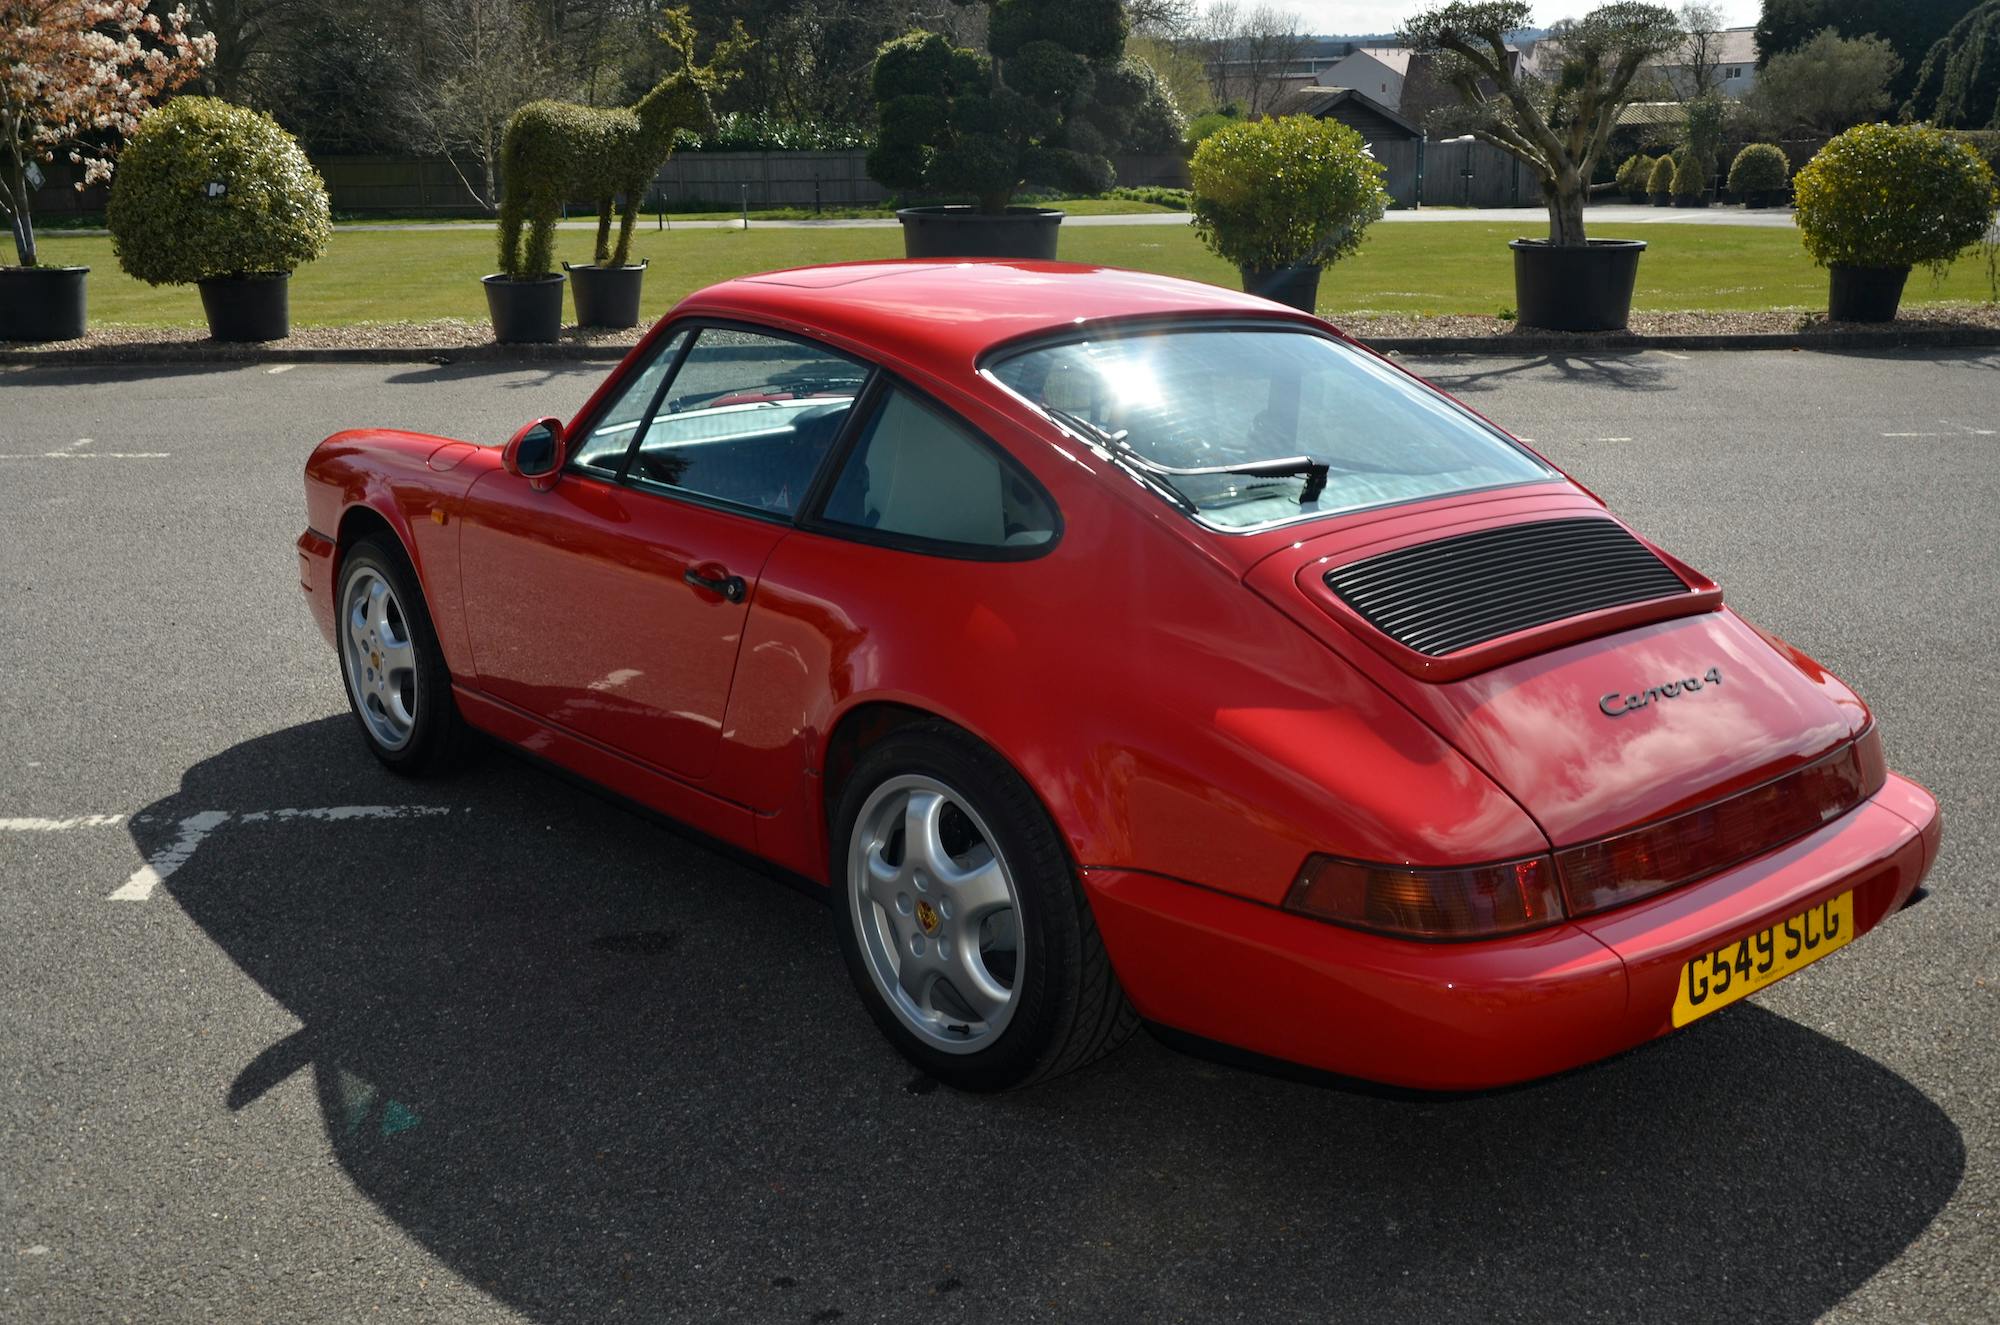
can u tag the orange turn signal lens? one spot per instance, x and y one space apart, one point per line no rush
1475 903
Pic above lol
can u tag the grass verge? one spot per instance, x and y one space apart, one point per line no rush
1433 269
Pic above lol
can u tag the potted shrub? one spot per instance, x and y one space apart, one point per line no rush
1555 117
1633 177
1757 176
219 196
1660 181
1882 198
1044 109
553 150
1283 199
1690 182
74 79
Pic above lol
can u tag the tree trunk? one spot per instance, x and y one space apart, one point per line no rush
15 192
1565 198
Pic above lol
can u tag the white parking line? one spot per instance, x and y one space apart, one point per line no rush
160 865
75 451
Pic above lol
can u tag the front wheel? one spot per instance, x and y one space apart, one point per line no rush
962 923
397 681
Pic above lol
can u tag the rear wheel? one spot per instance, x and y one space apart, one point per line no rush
962 923
397 682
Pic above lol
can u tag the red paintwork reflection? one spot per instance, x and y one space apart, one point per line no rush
1195 721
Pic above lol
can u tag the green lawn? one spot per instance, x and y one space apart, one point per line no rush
1430 267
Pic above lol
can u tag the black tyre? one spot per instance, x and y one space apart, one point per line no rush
965 931
397 682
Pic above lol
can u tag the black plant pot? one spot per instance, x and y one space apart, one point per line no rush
525 312
606 296
1864 294
42 303
1295 287
1638 199
1584 287
967 232
1663 200
257 306
1686 200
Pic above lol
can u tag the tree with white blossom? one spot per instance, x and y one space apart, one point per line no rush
75 76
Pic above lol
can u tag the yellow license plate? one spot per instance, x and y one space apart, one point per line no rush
1739 969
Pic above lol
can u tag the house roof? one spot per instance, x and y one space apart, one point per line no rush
1321 102
1395 57
1650 114
1729 46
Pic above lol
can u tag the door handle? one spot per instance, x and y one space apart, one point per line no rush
729 586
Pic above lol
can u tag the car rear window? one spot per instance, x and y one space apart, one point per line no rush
1223 398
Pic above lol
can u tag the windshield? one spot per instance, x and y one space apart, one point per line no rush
1322 426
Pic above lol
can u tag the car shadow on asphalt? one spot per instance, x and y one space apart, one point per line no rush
603 1072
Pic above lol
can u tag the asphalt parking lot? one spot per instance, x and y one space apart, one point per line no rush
285 1038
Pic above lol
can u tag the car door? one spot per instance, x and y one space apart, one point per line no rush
611 603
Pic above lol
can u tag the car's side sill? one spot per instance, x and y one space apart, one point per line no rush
607 767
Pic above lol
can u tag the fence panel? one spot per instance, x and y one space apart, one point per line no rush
1474 174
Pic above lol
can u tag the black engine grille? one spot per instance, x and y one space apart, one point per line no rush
1438 598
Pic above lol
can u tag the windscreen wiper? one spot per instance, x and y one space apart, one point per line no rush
1314 471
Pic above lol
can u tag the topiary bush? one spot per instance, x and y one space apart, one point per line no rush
1758 171
1288 192
1046 108
1661 179
207 189
1690 180
1893 195
1634 176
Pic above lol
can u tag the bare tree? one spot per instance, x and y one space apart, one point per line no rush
1216 34
1699 59
488 59
1270 45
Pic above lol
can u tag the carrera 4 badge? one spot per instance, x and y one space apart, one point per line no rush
1616 705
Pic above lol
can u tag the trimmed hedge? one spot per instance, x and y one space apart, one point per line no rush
1690 180
1282 192
1893 195
208 189
1759 168
1046 108
1661 179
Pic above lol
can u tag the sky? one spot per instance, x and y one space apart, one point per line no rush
1332 17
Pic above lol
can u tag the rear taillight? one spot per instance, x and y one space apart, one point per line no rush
1664 855
1479 902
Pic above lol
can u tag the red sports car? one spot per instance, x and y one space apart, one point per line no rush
1114 647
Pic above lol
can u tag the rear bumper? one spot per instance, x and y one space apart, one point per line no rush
1469 1016
316 578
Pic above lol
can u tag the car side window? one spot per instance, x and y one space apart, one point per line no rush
916 473
747 420
603 449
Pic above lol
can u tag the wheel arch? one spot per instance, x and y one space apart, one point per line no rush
871 721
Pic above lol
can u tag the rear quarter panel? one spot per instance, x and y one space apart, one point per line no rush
1170 720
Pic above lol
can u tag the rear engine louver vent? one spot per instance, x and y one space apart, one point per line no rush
1438 598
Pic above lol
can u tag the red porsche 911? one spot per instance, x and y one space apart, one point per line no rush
1112 647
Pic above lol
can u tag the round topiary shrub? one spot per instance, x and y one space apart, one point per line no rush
1759 171
1634 176
1893 195
1690 180
206 189
1660 181
1285 192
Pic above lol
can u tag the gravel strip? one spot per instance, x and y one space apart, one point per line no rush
453 337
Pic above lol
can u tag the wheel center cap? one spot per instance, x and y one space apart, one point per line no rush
927 916
375 660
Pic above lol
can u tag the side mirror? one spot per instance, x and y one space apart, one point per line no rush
536 452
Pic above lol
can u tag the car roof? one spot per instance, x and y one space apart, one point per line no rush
943 314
